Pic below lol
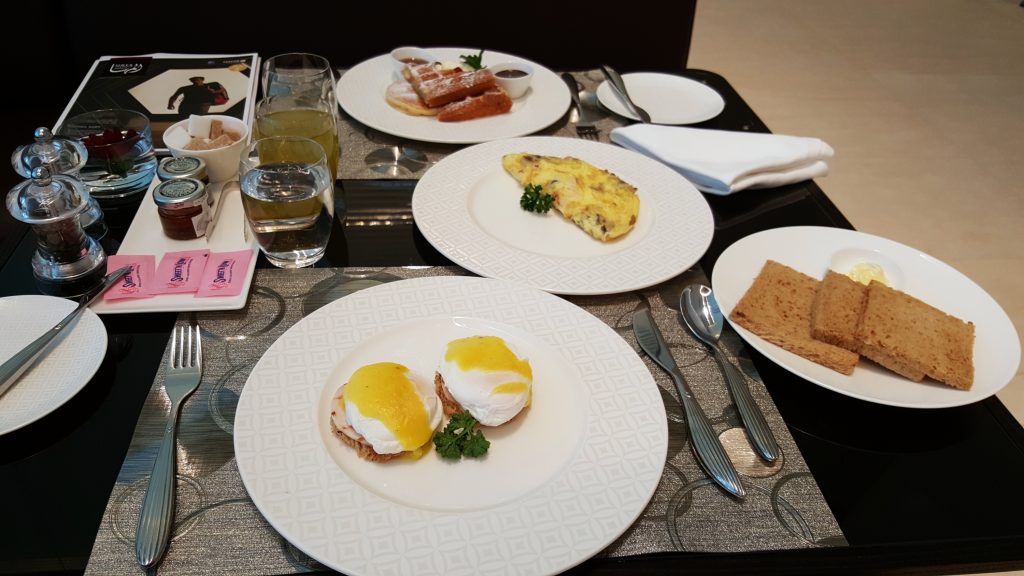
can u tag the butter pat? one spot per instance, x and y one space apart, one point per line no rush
865 272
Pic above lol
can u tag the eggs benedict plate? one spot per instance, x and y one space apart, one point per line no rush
427 481
591 429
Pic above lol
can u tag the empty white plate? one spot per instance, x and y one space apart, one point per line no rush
667 98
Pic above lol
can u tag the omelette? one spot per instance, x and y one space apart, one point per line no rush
596 200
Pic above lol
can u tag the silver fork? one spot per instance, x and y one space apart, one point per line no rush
184 371
584 124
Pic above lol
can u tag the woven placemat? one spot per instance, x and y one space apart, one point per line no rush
218 529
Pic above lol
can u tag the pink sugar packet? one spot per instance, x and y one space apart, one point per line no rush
137 283
180 272
225 274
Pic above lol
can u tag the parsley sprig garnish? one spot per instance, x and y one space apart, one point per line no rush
459 438
534 199
474 61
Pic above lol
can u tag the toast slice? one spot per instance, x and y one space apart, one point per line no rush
837 308
916 339
450 405
349 436
777 307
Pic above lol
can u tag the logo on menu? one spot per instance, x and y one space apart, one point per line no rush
223 277
178 274
126 66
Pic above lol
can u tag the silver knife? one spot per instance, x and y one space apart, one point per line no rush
14 367
706 446
619 87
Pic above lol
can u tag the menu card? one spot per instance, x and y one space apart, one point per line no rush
169 87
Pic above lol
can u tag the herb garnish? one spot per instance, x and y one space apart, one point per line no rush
460 439
535 200
476 62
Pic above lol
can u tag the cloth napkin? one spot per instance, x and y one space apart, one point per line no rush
721 162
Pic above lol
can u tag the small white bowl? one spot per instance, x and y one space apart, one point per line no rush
221 163
410 55
513 77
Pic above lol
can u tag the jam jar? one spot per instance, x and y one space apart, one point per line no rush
175 167
184 208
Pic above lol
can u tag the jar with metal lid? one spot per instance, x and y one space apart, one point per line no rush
175 167
184 208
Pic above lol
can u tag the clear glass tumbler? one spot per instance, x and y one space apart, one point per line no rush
298 74
288 198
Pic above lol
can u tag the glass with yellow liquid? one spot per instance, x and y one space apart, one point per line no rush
286 115
288 199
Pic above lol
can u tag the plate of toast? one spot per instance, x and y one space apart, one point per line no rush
458 106
866 317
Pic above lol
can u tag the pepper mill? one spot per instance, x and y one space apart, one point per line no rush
60 156
68 262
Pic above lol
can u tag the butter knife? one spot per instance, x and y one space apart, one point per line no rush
706 446
619 87
14 367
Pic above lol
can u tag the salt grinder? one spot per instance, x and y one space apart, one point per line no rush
59 156
68 262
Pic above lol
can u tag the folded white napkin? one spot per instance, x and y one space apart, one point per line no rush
720 162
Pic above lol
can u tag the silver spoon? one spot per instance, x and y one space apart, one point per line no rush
618 86
704 318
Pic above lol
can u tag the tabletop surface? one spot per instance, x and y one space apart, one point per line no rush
924 491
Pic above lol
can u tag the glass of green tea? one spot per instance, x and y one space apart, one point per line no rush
288 198
313 118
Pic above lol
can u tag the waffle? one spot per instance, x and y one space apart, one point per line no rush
437 86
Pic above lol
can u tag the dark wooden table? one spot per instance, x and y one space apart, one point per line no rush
915 491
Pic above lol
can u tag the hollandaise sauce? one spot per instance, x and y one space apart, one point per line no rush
384 392
488 354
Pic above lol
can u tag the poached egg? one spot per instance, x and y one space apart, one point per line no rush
389 408
488 378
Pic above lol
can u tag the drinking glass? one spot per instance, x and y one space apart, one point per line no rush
287 115
298 74
288 198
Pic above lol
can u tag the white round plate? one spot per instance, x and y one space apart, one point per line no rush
467 207
64 370
668 99
361 95
813 250
559 483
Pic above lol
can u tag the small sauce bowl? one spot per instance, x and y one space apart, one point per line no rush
513 77
400 57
